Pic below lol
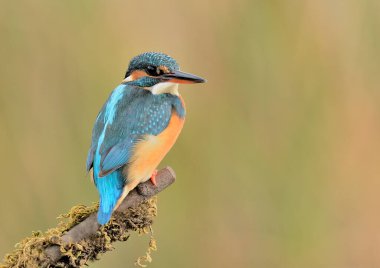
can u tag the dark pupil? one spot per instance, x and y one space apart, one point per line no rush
153 71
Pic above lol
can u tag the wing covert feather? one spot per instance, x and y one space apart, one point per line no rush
135 118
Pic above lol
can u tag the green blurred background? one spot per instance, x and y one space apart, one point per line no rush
278 164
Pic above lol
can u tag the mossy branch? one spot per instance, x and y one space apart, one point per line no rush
80 239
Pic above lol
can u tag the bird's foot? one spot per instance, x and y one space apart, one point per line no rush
153 177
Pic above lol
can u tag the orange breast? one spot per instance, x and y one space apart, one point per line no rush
149 152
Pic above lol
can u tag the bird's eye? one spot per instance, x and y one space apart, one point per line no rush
153 71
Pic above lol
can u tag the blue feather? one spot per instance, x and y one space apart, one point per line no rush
111 106
129 114
110 188
90 159
117 156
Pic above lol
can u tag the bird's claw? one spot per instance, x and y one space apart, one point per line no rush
153 177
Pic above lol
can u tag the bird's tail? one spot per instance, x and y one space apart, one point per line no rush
110 188
104 217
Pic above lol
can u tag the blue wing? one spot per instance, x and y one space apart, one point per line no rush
90 158
96 132
136 114
116 157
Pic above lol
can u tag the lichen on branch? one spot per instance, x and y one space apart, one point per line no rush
78 238
30 252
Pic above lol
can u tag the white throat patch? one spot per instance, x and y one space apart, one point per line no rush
165 87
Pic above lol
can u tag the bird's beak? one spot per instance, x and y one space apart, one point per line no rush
182 78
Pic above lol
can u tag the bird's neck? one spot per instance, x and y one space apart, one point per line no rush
174 99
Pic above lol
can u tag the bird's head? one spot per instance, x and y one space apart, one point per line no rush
158 73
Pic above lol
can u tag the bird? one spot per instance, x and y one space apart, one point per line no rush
136 127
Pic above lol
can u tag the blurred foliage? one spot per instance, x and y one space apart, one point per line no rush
278 163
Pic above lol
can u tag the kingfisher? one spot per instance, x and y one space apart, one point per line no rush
136 127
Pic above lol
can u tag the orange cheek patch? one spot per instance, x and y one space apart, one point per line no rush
137 74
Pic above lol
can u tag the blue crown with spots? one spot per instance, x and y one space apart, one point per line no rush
154 59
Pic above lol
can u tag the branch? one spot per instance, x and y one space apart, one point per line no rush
73 244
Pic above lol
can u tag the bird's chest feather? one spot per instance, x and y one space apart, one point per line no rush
148 153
